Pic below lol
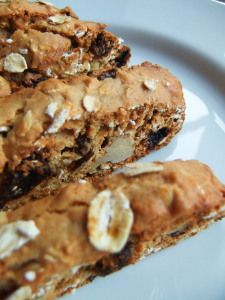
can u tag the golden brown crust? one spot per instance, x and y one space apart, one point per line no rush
179 199
53 43
80 123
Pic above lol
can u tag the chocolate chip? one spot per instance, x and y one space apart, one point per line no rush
156 137
101 46
123 58
108 74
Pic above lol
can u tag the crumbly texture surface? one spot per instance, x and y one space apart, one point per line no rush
39 41
57 250
64 130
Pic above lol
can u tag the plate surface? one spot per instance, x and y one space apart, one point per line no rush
188 38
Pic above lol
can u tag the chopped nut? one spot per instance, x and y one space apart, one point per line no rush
151 84
4 129
51 109
58 121
121 148
82 181
5 88
110 219
76 117
3 218
134 169
30 276
9 41
14 235
49 72
80 33
78 68
28 119
59 19
15 63
120 40
23 51
23 293
91 103
67 54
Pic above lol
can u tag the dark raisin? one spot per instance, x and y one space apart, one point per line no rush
78 163
74 43
68 149
101 46
124 257
105 142
31 80
115 262
83 143
123 58
108 74
7 287
16 183
156 137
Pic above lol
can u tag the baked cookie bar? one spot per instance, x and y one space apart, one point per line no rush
63 130
52 246
39 41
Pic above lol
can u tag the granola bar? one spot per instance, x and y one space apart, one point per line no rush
63 130
39 41
57 244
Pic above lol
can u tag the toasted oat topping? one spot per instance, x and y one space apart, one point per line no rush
51 109
134 169
110 219
23 51
45 2
58 121
15 63
91 103
14 235
151 84
80 33
59 19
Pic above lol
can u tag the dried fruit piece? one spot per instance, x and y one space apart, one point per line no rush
15 63
135 169
110 219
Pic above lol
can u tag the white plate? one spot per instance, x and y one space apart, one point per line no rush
187 37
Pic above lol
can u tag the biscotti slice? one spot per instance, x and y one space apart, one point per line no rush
39 41
52 246
62 131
